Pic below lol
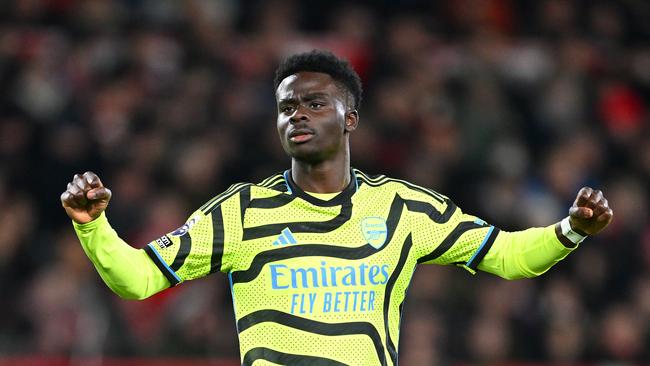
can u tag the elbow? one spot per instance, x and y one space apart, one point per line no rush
510 276
132 295
129 293
517 273
514 268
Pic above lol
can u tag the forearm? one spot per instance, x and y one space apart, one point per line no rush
129 272
527 253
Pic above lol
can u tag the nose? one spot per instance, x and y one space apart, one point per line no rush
299 115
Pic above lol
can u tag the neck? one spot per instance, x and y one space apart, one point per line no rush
328 176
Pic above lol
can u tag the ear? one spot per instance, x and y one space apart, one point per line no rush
351 120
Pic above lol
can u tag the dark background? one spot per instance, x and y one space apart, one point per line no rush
508 107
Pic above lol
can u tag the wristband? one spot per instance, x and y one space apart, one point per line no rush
568 232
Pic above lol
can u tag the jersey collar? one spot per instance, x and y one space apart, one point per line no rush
344 196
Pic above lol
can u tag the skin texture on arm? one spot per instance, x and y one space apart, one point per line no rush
129 272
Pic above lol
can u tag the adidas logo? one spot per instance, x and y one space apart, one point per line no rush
285 238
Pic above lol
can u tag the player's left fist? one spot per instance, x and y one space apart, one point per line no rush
590 212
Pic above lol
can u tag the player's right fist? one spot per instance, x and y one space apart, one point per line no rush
85 198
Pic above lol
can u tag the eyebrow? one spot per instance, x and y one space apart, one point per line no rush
307 97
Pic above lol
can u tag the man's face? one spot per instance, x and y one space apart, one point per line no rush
312 117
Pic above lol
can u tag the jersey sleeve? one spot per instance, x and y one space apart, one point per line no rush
127 271
201 246
524 254
443 234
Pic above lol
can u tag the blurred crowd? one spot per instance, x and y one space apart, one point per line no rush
508 107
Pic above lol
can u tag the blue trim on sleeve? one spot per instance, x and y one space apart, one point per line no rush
480 248
165 265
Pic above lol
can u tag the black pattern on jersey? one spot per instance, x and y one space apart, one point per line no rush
318 250
215 201
406 248
275 182
281 358
429 210
482 251
451 239
271 202
262 231
379 180
341 198
244 200
173 281
314 326
281 187
183 252
217 240
272 180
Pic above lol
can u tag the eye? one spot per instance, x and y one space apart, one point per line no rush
315 105
287 109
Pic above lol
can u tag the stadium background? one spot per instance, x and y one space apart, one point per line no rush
507 107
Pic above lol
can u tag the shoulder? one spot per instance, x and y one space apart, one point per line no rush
229 193
275 182
383 184
245 191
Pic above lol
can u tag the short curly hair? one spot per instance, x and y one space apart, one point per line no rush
326 62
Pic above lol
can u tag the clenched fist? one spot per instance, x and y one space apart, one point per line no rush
85 198
590 212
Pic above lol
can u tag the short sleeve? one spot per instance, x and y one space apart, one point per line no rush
196 249
443 234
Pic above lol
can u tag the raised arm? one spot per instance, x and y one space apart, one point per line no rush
129 272
589 215
531 252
